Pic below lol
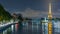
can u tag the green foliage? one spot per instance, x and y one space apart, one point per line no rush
4 15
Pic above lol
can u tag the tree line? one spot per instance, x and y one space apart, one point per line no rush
4 15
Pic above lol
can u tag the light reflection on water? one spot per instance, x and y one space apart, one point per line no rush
28 29
25 29
32 28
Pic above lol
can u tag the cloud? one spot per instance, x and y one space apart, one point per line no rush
37 13
32 13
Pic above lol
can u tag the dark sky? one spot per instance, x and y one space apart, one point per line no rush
36 8
23 4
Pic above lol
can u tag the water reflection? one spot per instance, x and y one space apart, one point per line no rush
12 29
27 28
31 28
24 28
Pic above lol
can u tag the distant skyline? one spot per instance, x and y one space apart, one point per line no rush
31 8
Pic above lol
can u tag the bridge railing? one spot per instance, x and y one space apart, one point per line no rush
5 26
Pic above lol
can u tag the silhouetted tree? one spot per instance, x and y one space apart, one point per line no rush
20 17
28 18
4 14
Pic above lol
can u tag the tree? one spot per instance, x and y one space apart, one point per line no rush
20 17
4 14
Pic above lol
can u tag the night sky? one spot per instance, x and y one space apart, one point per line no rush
31 8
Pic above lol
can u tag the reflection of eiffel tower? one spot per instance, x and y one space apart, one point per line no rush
50 20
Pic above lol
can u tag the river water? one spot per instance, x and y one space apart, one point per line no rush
25 28
31 28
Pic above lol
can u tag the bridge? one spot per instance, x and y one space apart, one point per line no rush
6 25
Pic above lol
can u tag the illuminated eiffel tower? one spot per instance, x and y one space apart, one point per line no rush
50 13
50 19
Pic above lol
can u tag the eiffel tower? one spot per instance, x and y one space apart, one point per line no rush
50 13
50 19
